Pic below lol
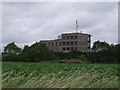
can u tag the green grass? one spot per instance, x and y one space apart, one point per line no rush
58 75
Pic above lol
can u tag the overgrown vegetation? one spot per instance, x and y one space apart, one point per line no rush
34 53
101 52
59 75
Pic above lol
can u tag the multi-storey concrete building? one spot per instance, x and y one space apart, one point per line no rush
70 41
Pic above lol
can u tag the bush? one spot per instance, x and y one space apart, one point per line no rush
82 58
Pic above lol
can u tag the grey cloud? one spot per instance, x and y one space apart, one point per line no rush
25 23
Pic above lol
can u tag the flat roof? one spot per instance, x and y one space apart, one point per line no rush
49 40
75 33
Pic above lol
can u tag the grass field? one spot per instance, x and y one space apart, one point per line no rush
59 75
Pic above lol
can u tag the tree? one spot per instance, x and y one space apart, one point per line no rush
38 52
100 46
104 53
11 52
12 48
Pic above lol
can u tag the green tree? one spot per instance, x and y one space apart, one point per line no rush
104 53
11 52
38 52
12 48
100 46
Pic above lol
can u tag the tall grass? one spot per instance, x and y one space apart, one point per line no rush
56 75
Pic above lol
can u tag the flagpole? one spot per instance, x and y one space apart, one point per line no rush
76 26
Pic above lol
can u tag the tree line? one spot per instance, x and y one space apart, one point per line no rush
101 52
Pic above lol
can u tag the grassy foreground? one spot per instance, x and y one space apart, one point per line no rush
58 75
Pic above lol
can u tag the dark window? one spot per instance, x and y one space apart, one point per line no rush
75 37
49 44
71 43
52 44
59 43
63 48
79 42
67 37
71 48
83 43
56 43
67 48
76 43
67 43
82 37
63 43
71 37
79 48
79 37
76 48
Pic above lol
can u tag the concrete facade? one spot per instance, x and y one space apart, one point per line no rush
70 41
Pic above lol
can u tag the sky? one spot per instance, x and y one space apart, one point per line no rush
28 22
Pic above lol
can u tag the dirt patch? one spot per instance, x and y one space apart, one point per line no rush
70 61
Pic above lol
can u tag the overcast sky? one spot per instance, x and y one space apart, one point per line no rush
28 22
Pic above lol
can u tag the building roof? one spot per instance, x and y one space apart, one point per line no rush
49 40
75 33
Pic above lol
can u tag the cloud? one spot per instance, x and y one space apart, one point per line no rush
28 22
0 26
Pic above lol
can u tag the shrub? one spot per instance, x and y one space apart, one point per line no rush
82 58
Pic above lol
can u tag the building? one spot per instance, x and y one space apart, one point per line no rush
70 41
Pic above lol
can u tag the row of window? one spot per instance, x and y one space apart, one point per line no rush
74 37
67 43
75 48
83 43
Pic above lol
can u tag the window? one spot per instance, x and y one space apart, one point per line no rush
71 37
67 48
76 48
63 37
75 37
82 43
49 44
85 48
79 48
79 37
82 37
79 42
67 43
59 43
76 43
56 43
82 48
85 37
52 44
67 37
63 48
71 48
63 43
71 43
